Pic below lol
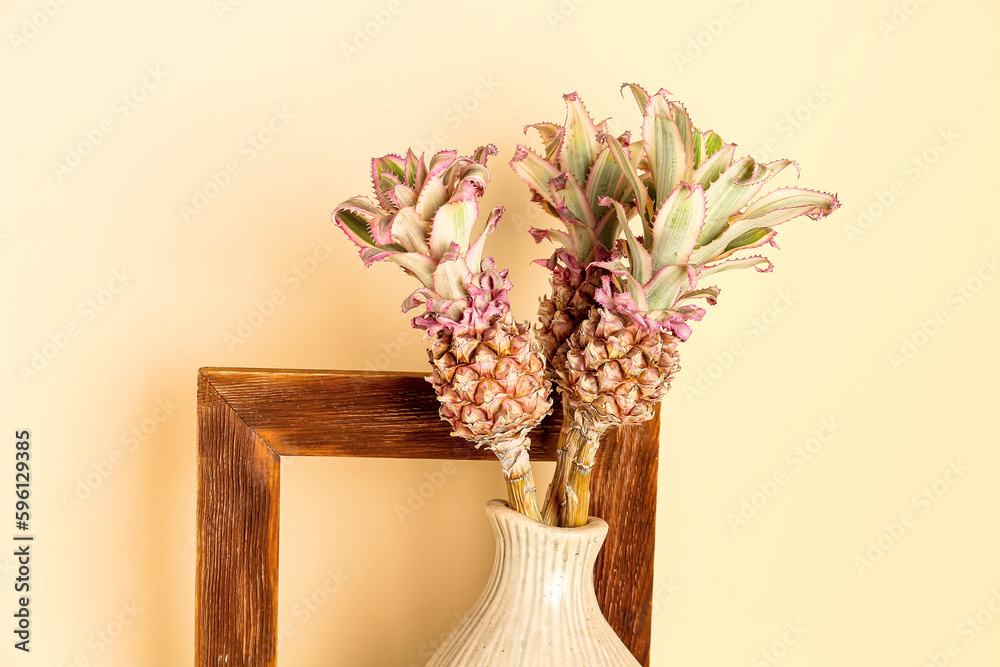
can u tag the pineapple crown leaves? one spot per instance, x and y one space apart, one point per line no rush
696 208
422 219
575 174
421 210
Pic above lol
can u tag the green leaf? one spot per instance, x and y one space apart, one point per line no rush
706 144
483 154
607 228
411 168
431 197
710 293
686 130
354 216
552 135
750 239
356 228
772 209
677 226
734 188
475 255
555 236
667 284
452 224
418 182
409 230
737 264
477 174
711 142
640 263
579 142
640 94
783 204
534 171
584 240
603 181
392 164
404 196
449 279
641 196
566 192
713 167
665 147
419 266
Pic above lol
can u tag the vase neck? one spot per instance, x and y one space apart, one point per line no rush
544 559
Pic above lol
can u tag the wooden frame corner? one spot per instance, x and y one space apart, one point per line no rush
249 418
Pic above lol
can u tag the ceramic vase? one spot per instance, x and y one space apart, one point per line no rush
539 608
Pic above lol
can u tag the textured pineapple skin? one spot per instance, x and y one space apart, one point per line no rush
616 369
560 314
573 295
490 381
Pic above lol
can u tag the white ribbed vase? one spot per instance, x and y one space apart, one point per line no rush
539 608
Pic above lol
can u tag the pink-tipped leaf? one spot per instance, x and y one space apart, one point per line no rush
534 171
579 141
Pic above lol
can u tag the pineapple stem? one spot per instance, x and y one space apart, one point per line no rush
522 497
570 506
516 466
570 437
554 495
576 509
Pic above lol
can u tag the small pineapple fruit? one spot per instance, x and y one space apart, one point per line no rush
617 364
487 369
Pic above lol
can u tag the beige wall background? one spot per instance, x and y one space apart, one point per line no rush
828 495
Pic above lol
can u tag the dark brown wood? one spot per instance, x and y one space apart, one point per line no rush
353 413
249 418
237 566
623 492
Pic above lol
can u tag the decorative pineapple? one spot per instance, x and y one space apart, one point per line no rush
696 207
487 369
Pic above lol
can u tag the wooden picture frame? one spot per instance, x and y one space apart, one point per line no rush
249 418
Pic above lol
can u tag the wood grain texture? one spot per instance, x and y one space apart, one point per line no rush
623 492
249 418
236 589
353 413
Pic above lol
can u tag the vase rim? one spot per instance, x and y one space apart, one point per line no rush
594 524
